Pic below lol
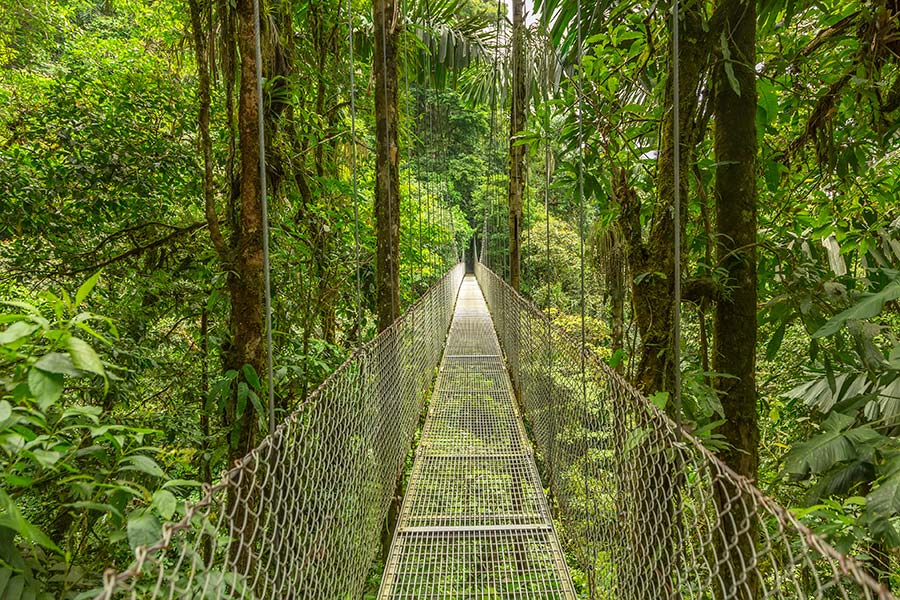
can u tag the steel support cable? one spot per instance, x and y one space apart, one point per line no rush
581 263
354 175
267 283
490 197
439 192
422 197
549 270
514 166
448 205
446 147
676 168
413 132
429 142
412 262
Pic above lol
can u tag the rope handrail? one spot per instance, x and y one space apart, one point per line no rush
641 500
281 547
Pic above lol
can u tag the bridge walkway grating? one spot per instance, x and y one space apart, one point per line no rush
475 521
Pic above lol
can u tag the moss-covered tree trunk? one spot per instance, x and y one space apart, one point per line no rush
651 262
734 346
245 283
386 21
647 572
516 150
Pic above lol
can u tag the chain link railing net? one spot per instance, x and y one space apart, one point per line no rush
645 511
301 515
475 521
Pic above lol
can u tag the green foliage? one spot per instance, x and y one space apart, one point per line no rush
72 471
856 385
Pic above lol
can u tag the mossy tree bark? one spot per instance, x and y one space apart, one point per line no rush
517 151
734 346
387 162
386 20
651 262
654 485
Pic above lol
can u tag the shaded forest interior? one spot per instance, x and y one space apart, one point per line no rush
401 138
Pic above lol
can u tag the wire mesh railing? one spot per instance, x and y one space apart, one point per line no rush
301 515
645 511
475 522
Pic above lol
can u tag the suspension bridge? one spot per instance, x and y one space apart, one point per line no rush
538 473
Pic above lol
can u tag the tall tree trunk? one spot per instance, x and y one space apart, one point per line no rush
204 471
245 284
385 15
245 280
517 151
734 346
647 570
386 19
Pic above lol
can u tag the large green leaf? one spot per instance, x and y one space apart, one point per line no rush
11 517
165 502
142 464
823 394
836 444
57 362
44 386
83 356
883 504
16 331
143 529
868 307
86 288
889 401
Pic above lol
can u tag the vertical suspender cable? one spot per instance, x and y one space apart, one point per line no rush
409 244
581 216
549 350
267 283
416 267
676 164
581 219
547 185
353 172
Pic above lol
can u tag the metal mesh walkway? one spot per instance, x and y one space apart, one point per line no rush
475 519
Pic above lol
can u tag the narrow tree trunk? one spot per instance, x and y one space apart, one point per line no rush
245 282
517 151
201 54
385 19
385 15
734 344
647 573
245 285
204 472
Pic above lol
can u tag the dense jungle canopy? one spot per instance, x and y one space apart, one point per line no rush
402 137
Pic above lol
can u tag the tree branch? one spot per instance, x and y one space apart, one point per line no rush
629 217
201 51
137 250
697 289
